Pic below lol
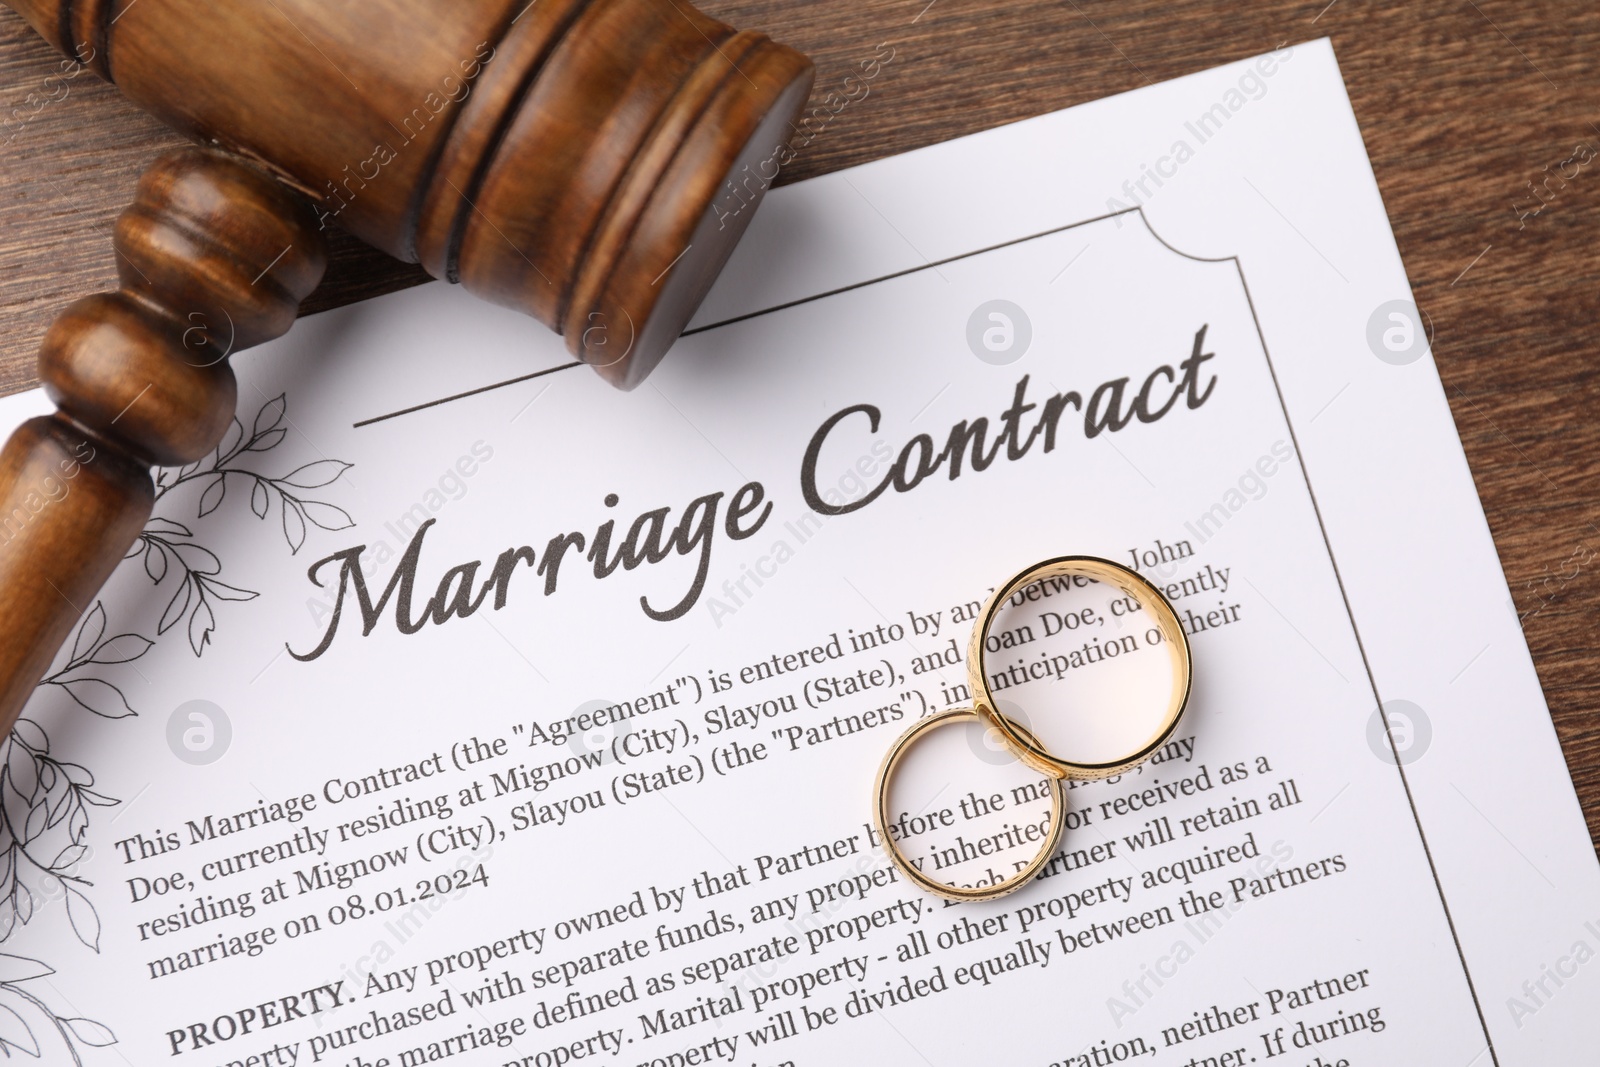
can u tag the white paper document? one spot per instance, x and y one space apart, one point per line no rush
442 717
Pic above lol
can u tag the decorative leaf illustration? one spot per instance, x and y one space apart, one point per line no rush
85 920
201 623
99 696
177 605
89 631
316 475
45 803
213 495
32 735
169 546
36 823
195 558
91 1033
294 526
270 415
22 772
20 969
269 440
15 806
155 565
327 516
15 1033
31 1027
223 591
69 856
232 439
123 648
167 528
89 647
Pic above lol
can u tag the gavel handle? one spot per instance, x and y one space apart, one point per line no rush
213 256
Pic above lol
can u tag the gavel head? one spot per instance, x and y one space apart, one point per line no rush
590 162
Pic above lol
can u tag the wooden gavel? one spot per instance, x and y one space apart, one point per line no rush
590 162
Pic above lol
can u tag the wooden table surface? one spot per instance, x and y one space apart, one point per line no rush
1466 108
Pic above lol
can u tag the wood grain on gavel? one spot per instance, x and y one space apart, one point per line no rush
589 162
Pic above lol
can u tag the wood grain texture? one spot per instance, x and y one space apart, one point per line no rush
593 162
141 378
1461 106
496 142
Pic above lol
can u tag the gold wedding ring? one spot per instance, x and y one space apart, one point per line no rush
1018 738
914 874
1024 744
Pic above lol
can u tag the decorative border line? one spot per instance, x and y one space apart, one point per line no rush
1299 457
462 396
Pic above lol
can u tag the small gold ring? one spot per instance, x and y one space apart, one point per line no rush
1024 744
880 815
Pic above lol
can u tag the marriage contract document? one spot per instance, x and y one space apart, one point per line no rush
462 710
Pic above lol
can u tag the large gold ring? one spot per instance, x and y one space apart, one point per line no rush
913 874
1025 744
